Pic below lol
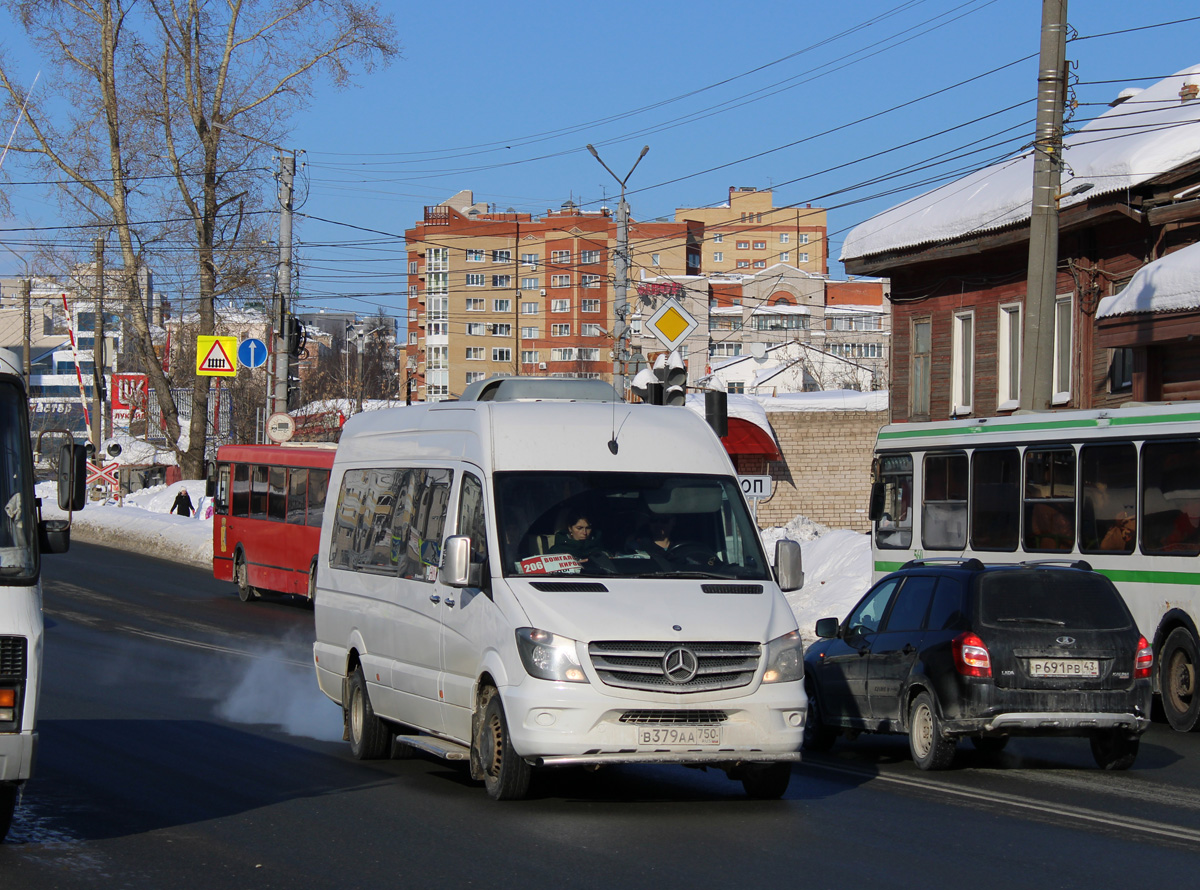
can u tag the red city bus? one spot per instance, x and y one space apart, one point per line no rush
267 506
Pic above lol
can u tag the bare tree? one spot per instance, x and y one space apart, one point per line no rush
160 124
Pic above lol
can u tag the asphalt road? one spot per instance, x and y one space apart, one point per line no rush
184 744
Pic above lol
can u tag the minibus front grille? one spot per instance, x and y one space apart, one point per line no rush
641 664
12 657
675 718
569 586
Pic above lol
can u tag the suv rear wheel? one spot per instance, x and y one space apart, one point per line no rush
930 749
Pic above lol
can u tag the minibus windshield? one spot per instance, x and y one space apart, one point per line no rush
18 558
644 525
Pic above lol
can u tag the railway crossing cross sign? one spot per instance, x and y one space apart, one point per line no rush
103 473
216 356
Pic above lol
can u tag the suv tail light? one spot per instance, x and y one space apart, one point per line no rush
1144 660
971 658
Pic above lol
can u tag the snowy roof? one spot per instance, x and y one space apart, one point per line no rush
782 309
1138 140
827 400
1165 285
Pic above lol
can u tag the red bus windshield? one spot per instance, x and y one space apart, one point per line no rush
267 507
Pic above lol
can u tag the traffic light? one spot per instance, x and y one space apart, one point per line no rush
716 411
674 379
297 336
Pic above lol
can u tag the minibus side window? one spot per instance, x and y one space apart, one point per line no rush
893 531
944 506
1050 500
996 499
1108 511
241 490
1171 498
431 498
472 522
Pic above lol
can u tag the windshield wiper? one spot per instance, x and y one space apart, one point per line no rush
1053 621
682 573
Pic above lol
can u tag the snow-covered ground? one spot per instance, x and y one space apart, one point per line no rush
837 562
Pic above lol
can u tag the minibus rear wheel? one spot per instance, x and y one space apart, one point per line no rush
505 774
370 738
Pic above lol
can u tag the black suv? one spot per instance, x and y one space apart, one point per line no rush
945 649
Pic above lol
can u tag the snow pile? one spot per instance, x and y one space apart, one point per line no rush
144 524
1167 284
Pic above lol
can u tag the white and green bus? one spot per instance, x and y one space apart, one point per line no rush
1117 488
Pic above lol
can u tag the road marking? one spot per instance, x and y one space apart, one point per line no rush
1175 833
213 647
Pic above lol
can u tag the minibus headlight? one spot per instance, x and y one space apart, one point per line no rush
548 656
785 659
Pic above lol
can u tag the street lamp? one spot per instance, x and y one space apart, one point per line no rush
621 289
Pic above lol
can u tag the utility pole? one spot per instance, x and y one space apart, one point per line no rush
621 269
1037 360
98 353
27 324
277 399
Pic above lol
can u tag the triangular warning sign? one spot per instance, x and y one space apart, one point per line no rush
217 361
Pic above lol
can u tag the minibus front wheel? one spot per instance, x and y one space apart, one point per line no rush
505 773
370 738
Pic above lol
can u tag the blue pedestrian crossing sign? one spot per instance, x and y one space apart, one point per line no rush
252 352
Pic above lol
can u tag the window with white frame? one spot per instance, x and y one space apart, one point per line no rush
438 357
501 330
531 284
589 354
437 283
802 257
473 376
654 259
591 330
560 305
743 245
1062 349
502 305
717 238
474 254
718 256
530 259
437 329
501 281
1008 358
784 237
760 245
560 280
412 339
920 368
475 329
727 349
474 353
760 264
589 305
412 267
437 259
476 304
501 354
589 257
529 308
529 357
530 333
560 330
501 256
414 290
962 363
589 280
785 256
563 354
743 264
560 257
803 237
476 279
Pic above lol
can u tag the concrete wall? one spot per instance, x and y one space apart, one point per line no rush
825 473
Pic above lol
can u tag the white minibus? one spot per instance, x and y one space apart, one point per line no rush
530 582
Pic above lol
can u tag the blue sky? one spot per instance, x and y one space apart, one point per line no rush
841 105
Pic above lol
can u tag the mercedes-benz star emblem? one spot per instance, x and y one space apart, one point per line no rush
680 664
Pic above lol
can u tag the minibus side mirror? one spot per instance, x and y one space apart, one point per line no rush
875 511
789 571
827 628
54 535
456 561
72 477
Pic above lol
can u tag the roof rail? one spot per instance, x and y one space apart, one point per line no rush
1081 564
970 562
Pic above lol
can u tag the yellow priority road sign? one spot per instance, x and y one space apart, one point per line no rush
671 324
216 356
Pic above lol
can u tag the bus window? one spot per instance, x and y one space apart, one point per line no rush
944 505
297 496
894 529
1108 485
241 490
221 495
1171 497
278 488
258 492
1050 500
318 485
996 499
